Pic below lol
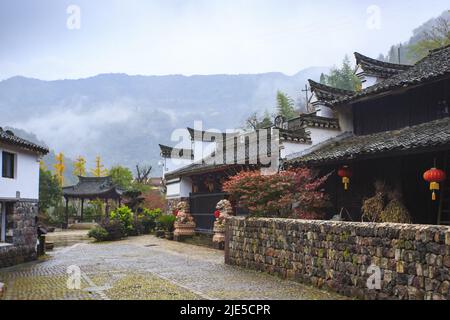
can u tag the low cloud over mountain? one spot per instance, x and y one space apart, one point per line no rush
123 118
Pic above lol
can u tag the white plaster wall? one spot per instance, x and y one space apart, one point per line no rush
185 187
26 180
179 188
288 148
174 164
368 81
324 111
345 117
319 135
173 190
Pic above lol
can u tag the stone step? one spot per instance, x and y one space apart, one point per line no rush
67 238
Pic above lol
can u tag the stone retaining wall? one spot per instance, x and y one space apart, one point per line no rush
410 261
22 238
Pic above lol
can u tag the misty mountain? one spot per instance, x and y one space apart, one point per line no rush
406 56
122 118
49 159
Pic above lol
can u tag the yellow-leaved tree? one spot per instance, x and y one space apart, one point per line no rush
42 165
79 167
99 170
60 168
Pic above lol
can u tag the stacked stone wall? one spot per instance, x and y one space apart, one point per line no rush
363 260
21 235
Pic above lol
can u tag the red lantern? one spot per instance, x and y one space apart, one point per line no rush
216 214
434 177
345 173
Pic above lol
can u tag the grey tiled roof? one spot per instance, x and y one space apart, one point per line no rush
248 147
169 152
92 186
196 168
299 135
208 136
326 93
424 136
312 120
8 137
433 67
379 68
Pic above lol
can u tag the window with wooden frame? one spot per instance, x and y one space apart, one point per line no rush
8 165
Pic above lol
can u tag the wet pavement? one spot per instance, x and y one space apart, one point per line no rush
145 268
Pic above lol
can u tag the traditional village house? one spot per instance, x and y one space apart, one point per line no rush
19 196
396 128
200 181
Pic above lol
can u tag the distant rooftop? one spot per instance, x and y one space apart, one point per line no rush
434 67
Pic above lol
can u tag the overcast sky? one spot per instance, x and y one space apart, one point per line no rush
155 37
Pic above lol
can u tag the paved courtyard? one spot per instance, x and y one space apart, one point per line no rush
145 268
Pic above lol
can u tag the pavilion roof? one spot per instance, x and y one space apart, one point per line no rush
93 187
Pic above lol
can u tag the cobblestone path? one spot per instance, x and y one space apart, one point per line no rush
145 268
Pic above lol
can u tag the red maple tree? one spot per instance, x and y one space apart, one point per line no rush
294 193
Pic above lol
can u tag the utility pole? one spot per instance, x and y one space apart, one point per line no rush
306 90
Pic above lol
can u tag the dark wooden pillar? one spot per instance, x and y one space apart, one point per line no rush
66 223
82 210
106 208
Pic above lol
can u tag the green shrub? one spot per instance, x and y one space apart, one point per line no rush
147 220
99 234
166 222
57 215
93 211
115 229
124 215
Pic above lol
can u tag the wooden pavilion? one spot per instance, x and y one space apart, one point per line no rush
92 188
